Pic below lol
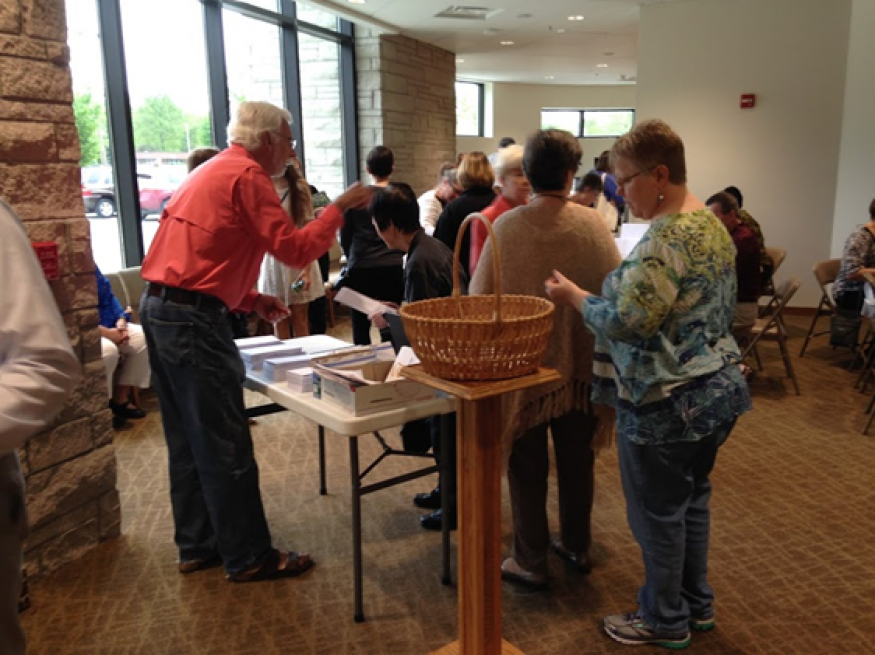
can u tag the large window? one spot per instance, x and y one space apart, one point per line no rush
469 109
589 123
171 97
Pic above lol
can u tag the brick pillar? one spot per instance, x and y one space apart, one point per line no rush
407 101
71 473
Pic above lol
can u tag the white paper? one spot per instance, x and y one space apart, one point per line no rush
405 357
362 303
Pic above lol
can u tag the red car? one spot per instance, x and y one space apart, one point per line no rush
156 187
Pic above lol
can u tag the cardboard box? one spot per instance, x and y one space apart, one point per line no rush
358 385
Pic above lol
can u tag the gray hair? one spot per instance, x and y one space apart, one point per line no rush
253 119
509 158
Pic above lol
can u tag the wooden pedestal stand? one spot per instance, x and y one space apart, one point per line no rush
479 499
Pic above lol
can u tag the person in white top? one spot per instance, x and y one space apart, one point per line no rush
589 192
37 372
432 202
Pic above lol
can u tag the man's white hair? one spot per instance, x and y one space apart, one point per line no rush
254 119
508 159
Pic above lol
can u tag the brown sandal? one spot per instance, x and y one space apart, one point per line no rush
277 564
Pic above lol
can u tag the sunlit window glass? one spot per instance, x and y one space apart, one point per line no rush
316 16
321 106
468 102
89 105
252 56
167 83
561 120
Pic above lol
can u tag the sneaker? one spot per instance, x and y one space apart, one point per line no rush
630 629
702 623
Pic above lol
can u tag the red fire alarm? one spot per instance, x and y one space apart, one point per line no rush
47 254
748 100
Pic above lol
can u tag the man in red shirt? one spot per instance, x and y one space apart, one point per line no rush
203 262
747 262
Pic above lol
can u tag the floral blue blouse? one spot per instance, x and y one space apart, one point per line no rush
665 357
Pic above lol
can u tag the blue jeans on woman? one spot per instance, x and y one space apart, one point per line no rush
198 373
667 490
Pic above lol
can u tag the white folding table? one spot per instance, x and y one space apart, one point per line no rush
343 423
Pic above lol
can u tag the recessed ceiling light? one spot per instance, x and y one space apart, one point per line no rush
507 43
548 77
575 18
357 2
601 65
460 61
560 30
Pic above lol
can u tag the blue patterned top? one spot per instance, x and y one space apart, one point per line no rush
665 357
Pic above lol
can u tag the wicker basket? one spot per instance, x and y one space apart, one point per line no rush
488 337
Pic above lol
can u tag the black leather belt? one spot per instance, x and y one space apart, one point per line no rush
186 297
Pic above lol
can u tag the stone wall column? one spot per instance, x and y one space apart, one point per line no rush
407 101
70 468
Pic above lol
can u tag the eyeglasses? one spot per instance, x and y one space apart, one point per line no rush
292 142
623 181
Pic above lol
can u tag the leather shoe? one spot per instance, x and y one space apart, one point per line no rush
430 500
435 520
126 410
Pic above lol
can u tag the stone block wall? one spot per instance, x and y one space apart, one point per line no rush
406 101
70 468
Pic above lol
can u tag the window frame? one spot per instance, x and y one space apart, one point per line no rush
118 112
580 134
481 108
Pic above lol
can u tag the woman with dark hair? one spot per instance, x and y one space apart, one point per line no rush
666 360
858 258
532 240
476 178
297 287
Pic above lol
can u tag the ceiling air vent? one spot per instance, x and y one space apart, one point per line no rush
468 13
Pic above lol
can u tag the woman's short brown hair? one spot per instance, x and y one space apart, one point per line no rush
650 144
475 171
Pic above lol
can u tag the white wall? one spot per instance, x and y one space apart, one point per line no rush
696 59
856 178
516 112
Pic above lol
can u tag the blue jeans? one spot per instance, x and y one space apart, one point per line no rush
667 492
214 492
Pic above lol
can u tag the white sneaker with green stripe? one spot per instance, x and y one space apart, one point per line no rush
632 630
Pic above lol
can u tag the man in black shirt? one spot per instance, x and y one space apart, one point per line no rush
428 273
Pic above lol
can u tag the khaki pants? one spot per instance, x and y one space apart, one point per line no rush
527 473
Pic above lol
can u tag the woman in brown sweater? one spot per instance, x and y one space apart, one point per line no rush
551 233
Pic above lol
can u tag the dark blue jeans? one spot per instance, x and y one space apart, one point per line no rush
197 373
667 490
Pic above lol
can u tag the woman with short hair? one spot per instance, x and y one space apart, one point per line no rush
532 240
476 178
666 360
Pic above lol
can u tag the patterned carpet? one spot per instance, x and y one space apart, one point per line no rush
793 548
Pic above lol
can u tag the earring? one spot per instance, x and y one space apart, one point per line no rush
659 199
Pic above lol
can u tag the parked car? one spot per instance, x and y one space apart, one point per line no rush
98 191
156 187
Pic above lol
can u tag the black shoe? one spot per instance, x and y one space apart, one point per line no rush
126 410
430 500
119 421
435 520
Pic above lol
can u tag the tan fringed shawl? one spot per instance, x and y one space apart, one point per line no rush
534 240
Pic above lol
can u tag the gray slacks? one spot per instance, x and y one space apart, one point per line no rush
527 473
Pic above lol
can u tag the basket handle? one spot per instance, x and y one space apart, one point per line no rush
457 292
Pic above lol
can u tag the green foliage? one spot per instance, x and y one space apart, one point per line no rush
159 125
90 119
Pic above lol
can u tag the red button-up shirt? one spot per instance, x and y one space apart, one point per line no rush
218 226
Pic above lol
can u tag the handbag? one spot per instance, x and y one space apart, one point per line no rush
844 328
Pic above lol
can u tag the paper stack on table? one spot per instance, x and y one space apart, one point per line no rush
300 379
254 358
275 368
256 342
